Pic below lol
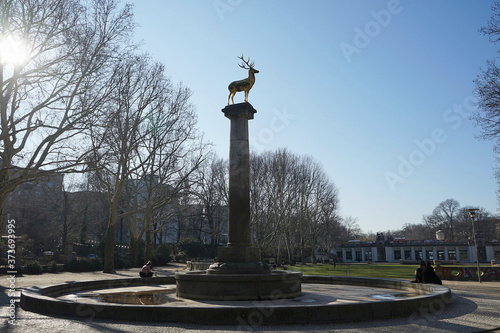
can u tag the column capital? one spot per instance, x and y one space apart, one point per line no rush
244 110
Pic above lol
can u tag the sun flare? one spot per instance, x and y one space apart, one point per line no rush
13 51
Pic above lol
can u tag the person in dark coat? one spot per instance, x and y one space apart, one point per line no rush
419 272
429 275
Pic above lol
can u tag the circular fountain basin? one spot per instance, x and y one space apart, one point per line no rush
324 299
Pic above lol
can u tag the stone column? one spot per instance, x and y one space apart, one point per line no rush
374 254
239 174
239 256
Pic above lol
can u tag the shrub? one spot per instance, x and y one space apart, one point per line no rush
81 264
161 257
52 267
180 257
121 261
32 267
193 248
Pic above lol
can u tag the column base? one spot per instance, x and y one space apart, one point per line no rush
238 260
238 254
238 287
239 268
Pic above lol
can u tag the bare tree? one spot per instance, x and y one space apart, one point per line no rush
168 155
417 231
272 200
145 150
211 191
446 216
293 205
65 47
116 135
351 225
265 218
488 91
326 225
485 225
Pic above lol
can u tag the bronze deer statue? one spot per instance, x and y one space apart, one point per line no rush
245 84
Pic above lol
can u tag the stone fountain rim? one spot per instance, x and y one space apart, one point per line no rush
41 299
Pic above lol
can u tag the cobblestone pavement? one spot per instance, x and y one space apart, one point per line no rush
476 308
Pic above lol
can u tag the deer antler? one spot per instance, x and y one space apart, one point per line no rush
250 65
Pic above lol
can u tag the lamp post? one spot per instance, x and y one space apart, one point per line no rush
472 214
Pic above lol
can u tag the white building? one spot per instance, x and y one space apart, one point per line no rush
418 250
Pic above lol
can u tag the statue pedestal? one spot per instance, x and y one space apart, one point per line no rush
239 177
238 274
239 257
238 287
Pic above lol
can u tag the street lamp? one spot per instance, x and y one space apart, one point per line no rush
472 214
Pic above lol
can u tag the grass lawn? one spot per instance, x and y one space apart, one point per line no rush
391 271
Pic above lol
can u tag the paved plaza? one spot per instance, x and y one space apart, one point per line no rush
476 308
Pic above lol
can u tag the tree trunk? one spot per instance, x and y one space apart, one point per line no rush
302 257
109 250
278 256
290 255
134 250
313 255
64 218
148 252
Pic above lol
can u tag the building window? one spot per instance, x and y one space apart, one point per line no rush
358 256
348 255
419 255
430 255
368 255
397 254
440 254
407 254
463 255
452 255
381 254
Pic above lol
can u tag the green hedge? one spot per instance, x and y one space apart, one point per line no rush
161 256
32 267
81 264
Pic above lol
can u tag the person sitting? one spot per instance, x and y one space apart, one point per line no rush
419 273
146 270
429 275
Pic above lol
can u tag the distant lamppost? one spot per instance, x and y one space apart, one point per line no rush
472 214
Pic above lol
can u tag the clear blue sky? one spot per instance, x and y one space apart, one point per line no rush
377 91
